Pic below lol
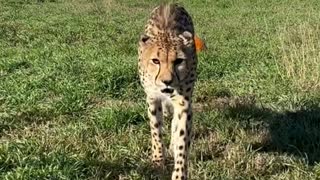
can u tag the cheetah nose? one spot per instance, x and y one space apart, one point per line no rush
167 82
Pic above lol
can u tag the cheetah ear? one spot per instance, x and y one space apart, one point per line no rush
143 39
187 38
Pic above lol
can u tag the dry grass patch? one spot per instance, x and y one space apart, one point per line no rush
300 62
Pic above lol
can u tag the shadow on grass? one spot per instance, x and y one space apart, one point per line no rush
117 170
46 165
121 169
291 132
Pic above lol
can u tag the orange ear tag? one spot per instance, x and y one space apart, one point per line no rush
199 43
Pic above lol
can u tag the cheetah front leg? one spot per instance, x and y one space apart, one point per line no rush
181 136
156 117
174 127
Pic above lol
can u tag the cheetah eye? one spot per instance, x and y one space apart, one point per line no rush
178 61
156 61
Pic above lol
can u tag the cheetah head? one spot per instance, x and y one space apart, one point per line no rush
167 60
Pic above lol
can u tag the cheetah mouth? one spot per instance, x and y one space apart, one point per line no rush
167 90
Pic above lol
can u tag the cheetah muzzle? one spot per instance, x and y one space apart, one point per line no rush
167 90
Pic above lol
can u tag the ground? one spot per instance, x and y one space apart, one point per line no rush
71 106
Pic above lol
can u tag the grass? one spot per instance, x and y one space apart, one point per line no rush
71 106
301 60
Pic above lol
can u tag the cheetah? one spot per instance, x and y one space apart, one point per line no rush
167 70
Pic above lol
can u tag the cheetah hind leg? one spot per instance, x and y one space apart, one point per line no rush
167 109
168 114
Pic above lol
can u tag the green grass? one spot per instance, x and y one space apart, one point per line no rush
71 106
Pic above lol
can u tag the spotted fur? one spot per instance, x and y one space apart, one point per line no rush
167 70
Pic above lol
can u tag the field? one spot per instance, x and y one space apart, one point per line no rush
71 106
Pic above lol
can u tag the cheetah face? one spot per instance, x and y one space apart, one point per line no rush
167 63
